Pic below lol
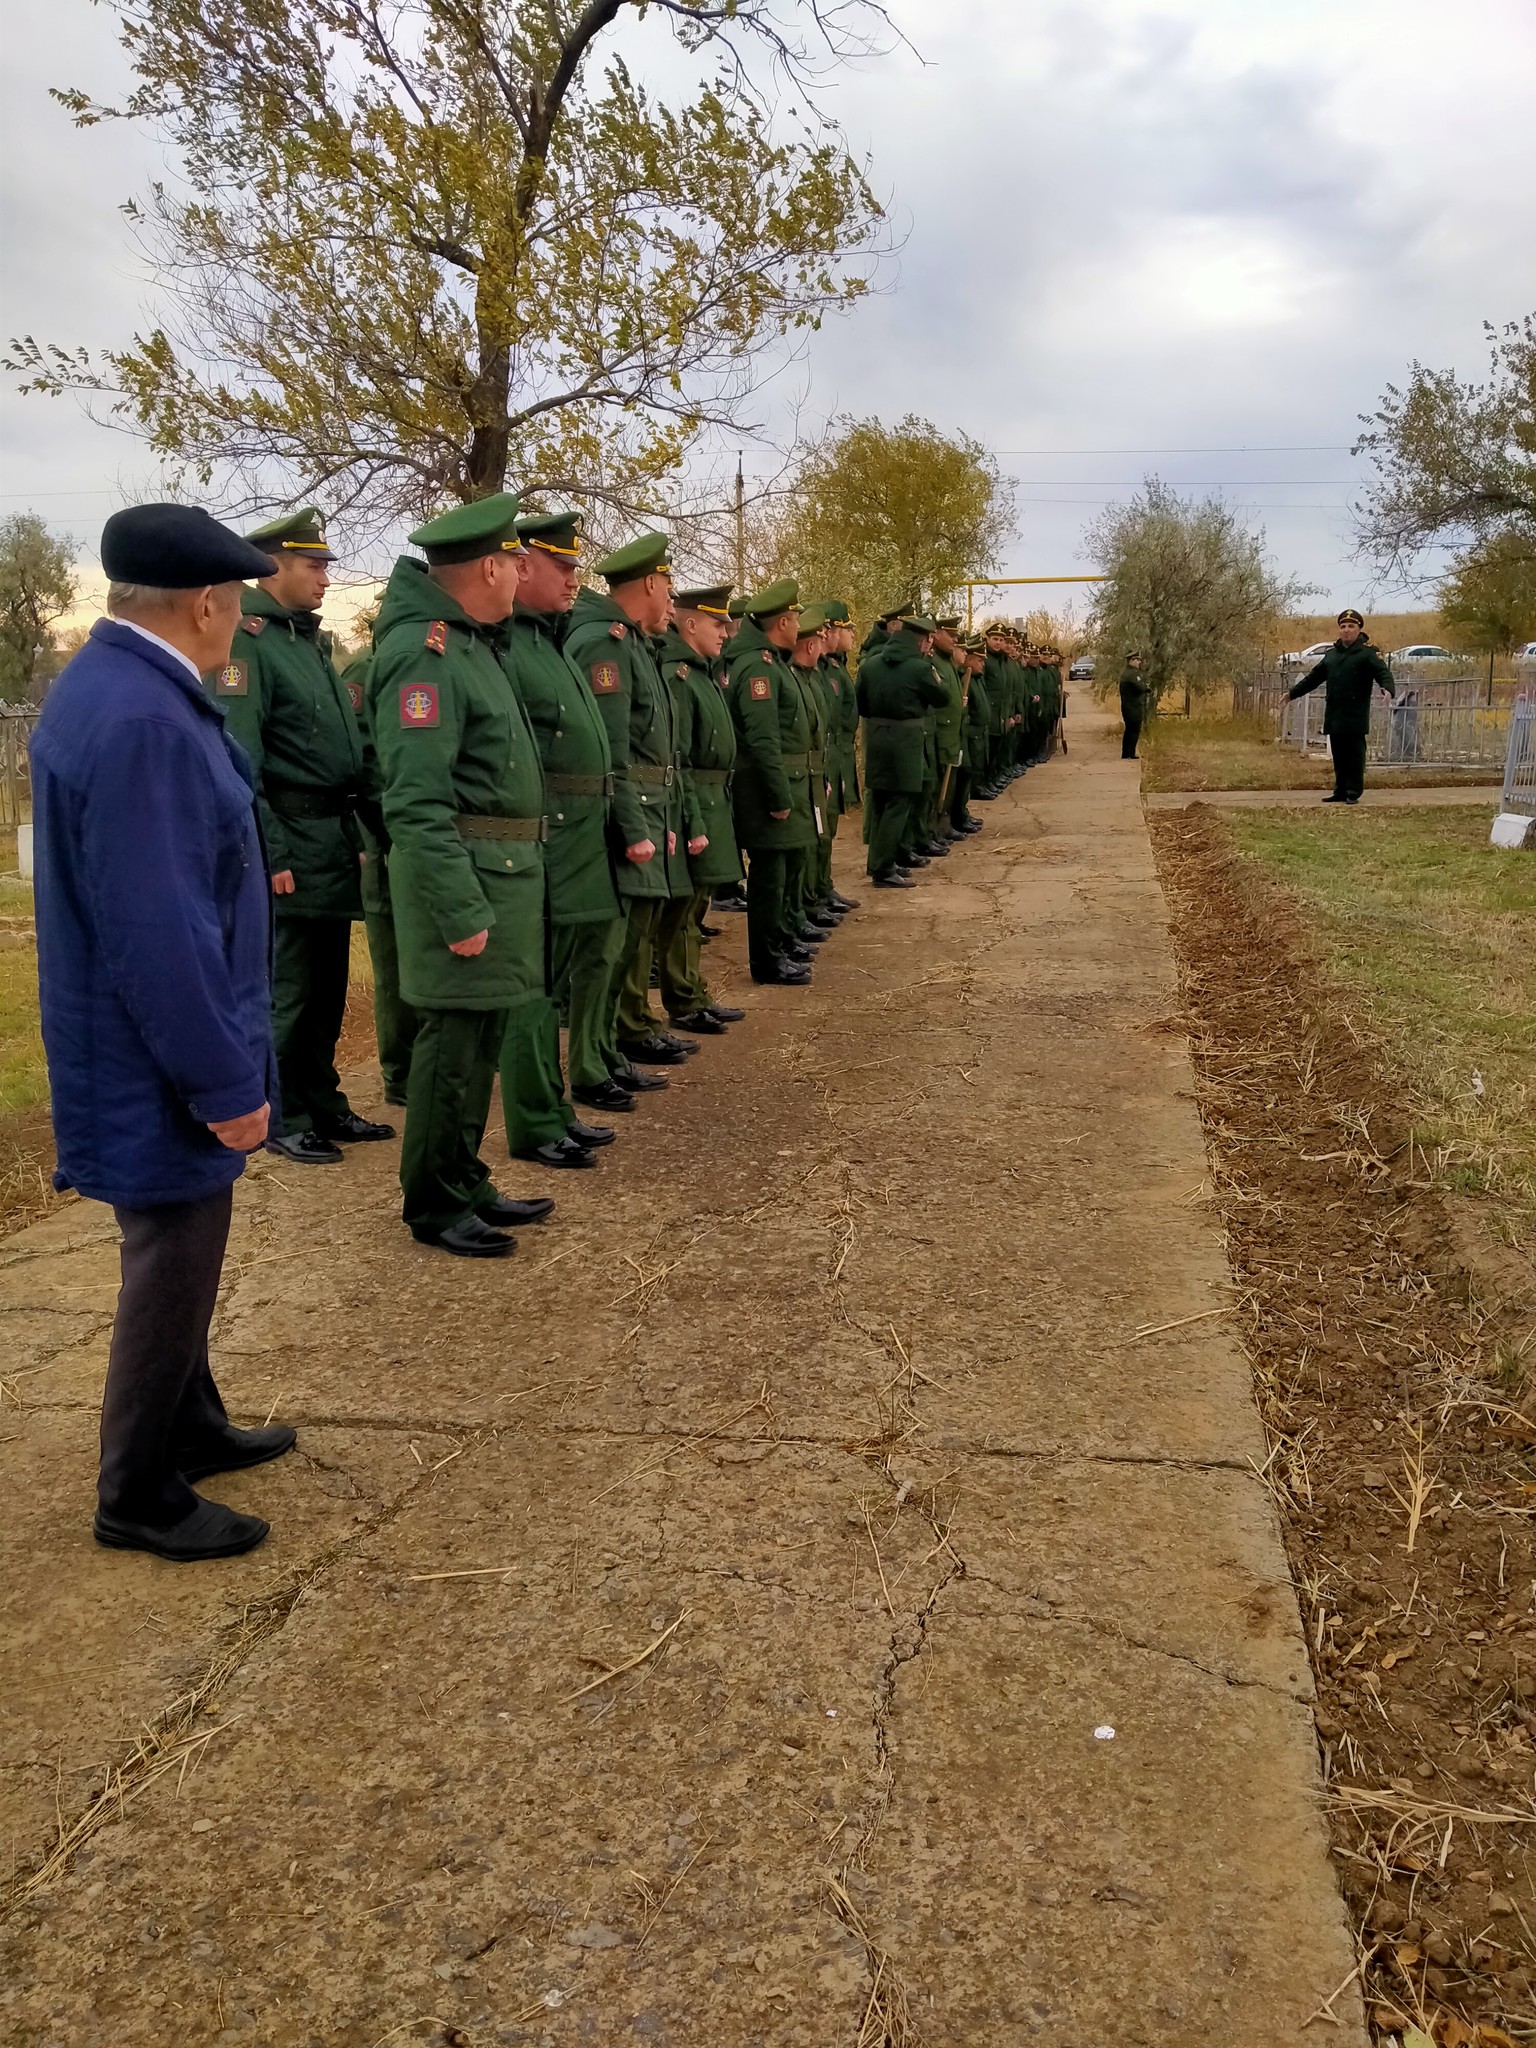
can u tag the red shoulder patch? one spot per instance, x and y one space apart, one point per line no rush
355 692
761 687
616 631
418 704
606 679
232 680
253 626
437 639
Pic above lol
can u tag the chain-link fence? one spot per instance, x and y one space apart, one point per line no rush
16 723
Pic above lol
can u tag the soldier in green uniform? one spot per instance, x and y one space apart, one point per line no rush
771 795
394 1020
692 668
586 922
898 685
1350 669
283 702
462 794
973 738
803 918
998 689
948 727
609 641
842 741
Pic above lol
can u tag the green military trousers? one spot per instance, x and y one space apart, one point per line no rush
890 814
635 1018
309 1000
585 978
533 1103
394 1020
958 812
822 892
448 1098
680 947
920 810
766 870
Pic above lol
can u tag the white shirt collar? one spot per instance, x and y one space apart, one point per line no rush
154 638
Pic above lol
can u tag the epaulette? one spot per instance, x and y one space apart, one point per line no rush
437 636
616 631
252 625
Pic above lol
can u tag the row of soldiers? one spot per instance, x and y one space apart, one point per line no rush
533 790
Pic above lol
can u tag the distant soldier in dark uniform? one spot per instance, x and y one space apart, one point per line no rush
973 739
898 685
842 741
1351 669
804 918
1134 693
771 795
948 731
283 702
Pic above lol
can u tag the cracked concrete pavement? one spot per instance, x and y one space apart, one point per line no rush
829 1385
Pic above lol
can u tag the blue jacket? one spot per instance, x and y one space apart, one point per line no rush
153 922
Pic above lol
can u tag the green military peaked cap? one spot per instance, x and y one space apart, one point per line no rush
812 618
296 533
782 596
737 608
835 612
916 623
486 527
897 611
556 533
948 625
716 600
646 556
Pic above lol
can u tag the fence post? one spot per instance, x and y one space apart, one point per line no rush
1513 827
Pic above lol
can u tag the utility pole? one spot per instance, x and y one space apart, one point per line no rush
741 529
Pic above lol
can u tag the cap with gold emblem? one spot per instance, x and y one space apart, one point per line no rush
917 622
715 601
296 533
783 596
646 556
813 619
487 527
834 612
950 624
553 533
1346 618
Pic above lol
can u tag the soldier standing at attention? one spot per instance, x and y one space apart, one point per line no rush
948 729
842 742
898 685
1351 669
1134 693
998 692
803 919
771 795
462 794
968 662
282 701
586 923
608 642
706 747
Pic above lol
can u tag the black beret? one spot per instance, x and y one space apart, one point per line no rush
177 547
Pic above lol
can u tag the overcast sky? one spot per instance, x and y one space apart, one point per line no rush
1197 238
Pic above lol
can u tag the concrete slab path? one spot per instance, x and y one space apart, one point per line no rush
708 1626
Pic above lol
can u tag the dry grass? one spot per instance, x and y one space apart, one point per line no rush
1211 753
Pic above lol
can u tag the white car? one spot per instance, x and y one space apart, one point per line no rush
1527 652
1421 654
1309 657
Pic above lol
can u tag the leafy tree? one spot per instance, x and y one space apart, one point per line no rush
878 515
1488 601
1453 461
37 585
432 247
1188 585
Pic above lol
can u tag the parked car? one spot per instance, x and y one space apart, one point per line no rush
1081 670
1423 653
1309 657
1527 652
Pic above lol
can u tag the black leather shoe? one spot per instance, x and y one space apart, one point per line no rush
786 975
724 1014
894 882
844 903
700 1021
559 1152
914 860
937 849
306 1148
811 935
233 1449
637 1083
1352 799
503 1212
796 954
211 1530
711 931
590 1135
1336 798
685 1046
729 903
971 826
473 1239
353 1129
607 1095
828 920
653 1050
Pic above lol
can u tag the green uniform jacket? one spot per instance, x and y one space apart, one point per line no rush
978 718
842 737
1135 695
706 747
998 692
773 738
578 779
809 682
285 704
898 689
454 747
1351 673
949 718
616 661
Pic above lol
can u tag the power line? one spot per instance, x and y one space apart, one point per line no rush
1287 448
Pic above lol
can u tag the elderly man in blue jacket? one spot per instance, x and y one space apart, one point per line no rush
153 912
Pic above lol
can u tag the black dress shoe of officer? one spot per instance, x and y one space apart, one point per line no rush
307 1148
233 1449
685 1046
894 880
786 974
937 849
971 825
812 935
724 1014
473 1238
796 954
654 1050
210 1530
827 919
606 1095
711 931
1338 797
701 1021
843 903
353 1129
640 1084
505 1212
558 1152
590 1135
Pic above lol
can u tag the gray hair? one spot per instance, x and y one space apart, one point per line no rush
139 597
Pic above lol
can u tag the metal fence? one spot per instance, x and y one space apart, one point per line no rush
16 723
1443 723
1520 762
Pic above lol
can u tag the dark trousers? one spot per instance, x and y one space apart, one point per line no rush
394 1020
161 1405
532 1087
1348 749
453 1063
767 871
584 975
309 1000
959 796
1132 736
890 814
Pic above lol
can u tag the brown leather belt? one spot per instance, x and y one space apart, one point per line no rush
653 773
475 827
720 775
579 785
796 764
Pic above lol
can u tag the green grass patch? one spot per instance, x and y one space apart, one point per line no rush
1241 753
1433 934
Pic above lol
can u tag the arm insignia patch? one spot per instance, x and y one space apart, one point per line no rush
606 679
232 680
761 687
355 692
418 704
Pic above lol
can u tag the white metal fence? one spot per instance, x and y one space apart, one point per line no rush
1436 724
1519 797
